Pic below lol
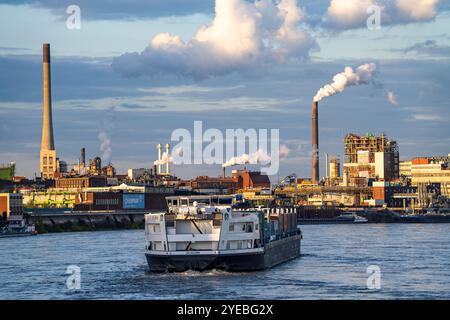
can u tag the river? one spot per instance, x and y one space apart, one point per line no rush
413 262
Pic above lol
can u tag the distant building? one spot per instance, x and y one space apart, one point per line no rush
11 207
428 170
370 157
335 167
252 179
401 196
81 182
141 173
211 185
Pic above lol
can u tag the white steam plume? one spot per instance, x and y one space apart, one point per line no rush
284 151
165 158
105 147
259 157
363 75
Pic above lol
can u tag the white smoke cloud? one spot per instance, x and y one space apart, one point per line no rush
363 75
242 35
105 147
348 14
392 98
165 158
259 157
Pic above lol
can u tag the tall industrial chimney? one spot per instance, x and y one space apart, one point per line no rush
47 156
159 147
315 142
83 157
168 158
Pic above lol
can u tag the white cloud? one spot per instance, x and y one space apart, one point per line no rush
348 14
242 35
427 117
418 9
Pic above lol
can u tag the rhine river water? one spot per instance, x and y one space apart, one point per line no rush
414 260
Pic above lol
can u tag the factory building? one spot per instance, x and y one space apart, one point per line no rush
370 157
11 207
211 185
251 179
121 200
80 182
433 170
141 173
335 167
240 179
404 196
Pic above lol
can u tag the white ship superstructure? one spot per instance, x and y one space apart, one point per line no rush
201 233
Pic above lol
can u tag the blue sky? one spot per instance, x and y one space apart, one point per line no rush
94 89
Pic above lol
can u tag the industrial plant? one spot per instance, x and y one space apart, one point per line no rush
369 180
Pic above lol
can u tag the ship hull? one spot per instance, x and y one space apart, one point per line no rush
275 252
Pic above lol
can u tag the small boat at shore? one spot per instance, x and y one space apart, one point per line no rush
206 232
17 229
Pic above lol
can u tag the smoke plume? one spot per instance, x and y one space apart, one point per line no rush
363 75
284 151
105 147
165 158
259 157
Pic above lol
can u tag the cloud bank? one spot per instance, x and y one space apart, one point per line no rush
242 35
350 14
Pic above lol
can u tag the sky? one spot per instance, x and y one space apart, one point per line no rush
136 71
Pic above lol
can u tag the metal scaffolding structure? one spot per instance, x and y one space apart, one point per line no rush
369 142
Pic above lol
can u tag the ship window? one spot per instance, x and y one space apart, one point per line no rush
249 227
231 228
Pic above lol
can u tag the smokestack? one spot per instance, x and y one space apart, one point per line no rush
315 142
47 123
224 173
47 155
159 147
83 157
167 164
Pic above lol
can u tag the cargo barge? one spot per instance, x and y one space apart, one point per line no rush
206 232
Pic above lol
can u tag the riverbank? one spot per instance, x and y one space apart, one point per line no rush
66 220
71 221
